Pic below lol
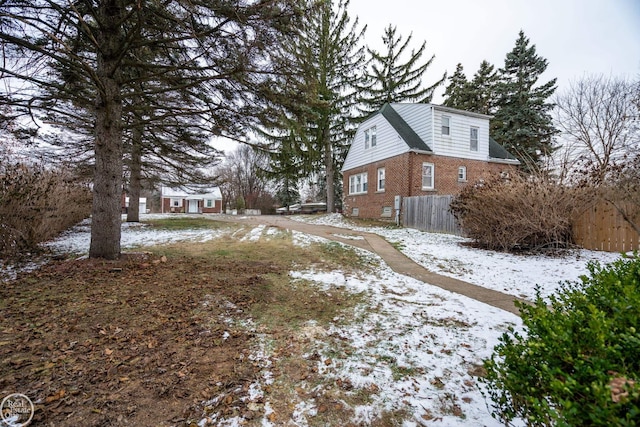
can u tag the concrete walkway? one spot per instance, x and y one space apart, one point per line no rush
396 260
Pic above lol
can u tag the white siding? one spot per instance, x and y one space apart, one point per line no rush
418 116
457 143
426 121
389 144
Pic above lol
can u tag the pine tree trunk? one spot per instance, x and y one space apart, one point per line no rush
107 180
329 172
133 213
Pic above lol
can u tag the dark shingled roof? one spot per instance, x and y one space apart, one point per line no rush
497 151
404 130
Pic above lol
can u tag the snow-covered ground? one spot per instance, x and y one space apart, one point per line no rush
415 345
512 274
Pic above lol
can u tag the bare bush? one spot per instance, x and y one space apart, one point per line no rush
519 213
36 204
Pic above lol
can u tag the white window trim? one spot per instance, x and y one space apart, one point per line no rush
433 176
472 146
370 138
381 177
209 203
175 202
447 127
462 174
360 187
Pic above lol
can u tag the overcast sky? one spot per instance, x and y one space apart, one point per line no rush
575 36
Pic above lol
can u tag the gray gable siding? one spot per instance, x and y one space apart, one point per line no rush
420 118
406 132
389 143
458 142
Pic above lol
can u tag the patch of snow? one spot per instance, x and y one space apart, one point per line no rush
349 237
254 234
450 255
76 240
414 344
304 240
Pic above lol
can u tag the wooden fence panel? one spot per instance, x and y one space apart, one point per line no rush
603 228
429 213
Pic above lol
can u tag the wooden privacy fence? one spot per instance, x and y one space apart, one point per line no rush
429 213
603 228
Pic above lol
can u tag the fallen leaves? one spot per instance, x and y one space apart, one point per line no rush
91 340
57 396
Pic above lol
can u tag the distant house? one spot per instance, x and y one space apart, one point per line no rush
186 200
142 204
417 149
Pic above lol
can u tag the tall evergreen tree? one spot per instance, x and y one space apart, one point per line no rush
522 123
389 79
483 89
215 41
457 93
315 107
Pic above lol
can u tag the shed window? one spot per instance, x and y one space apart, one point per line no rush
209 203
176 203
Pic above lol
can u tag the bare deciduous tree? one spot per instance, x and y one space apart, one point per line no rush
599 122
242 183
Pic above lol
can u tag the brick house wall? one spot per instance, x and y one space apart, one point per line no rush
216 208
166 206
403 177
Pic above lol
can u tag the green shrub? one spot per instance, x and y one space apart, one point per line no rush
577 363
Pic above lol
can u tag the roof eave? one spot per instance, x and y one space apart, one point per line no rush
503 161
462 112
418 151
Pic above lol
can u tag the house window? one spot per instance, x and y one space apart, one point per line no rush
462 174
473 135
370 139
446 130
381 174
209 203
427 176
358 183
176 203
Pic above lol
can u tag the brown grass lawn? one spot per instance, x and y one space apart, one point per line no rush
152 339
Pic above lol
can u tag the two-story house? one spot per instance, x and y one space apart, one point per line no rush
417 149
